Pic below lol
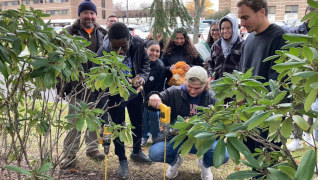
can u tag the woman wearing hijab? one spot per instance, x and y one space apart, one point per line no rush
226 52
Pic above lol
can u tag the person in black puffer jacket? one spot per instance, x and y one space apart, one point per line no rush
226 52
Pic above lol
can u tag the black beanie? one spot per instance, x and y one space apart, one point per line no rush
86 5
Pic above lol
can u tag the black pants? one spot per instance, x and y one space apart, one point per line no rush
135 110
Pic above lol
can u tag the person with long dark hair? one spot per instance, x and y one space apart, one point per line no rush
179 48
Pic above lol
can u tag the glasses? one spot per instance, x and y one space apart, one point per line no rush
214 29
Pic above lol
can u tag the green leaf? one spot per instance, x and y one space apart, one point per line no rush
313 4
305 74
287 66
311 98
219 153
3 70
285 105
290 171
270 58
205 146
255 109
286 128
306 167
244 150
243 174
16 46
204 135
296 37
18 170
307 53
255 120
32 46
278 174
274 117
79 124
233 153
186 147
279 97
300 122
46 167
265 102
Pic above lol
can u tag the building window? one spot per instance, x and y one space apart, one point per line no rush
56 1
272 10
58 12
103 4
103 14
10 3
32 2
291 9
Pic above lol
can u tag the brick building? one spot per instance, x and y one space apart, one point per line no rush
63 12
279 10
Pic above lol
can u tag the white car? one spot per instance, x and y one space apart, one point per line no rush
205 34
139 30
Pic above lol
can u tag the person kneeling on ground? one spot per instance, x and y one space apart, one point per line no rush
182 101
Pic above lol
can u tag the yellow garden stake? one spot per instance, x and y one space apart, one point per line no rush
105 141
165 113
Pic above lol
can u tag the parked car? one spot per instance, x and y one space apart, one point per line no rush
205 34
202 27
139 30
209 21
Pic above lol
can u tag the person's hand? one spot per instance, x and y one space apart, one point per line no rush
154 101
139 82
173 67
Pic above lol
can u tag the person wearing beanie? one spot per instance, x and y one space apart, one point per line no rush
183 101
86 27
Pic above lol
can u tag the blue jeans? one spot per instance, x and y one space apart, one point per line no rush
150 123
156 153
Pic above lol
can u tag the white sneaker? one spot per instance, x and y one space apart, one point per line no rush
172 171
294 145
206 173
308 138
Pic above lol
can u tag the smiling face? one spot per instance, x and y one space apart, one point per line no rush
87 19
226 30
153 52
120 44
179 40
195 88
214 32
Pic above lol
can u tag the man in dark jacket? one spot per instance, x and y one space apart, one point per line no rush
136 59
183 101
85 27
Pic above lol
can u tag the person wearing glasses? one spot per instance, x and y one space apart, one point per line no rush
226 51
214 34
111 20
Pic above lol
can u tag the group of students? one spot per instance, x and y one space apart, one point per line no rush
152 63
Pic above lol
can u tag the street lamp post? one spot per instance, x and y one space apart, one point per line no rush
127 13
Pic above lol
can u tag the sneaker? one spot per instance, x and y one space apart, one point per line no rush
206 173
68 162
140 158
96 155
172 171
123 171
144 141
295 144
308 138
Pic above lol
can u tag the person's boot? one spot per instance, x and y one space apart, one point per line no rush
123 171
140 158
96 155
295 144
172 171
206 173
68 162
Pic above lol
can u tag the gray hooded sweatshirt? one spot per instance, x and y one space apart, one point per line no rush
226 46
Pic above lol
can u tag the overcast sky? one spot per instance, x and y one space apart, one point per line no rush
136 3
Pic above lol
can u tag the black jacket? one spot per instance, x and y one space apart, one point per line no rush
176 98
301 29
156 78
137 53
96 40
218 64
